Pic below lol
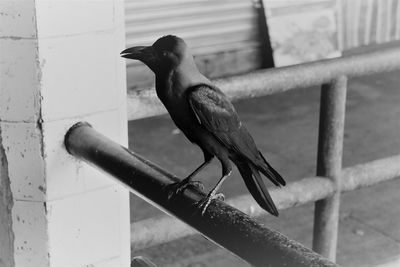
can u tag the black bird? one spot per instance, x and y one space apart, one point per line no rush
206 117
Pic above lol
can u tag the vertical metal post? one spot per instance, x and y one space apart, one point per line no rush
329 164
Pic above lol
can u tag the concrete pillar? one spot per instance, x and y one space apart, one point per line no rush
59 64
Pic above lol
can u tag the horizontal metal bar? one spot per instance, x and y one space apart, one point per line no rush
154 231
144 103
221 223
370 173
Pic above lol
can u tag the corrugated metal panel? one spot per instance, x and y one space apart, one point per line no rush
217 31
366 22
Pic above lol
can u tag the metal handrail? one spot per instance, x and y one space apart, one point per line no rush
221 223
162 229
144 103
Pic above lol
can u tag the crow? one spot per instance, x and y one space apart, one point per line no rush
207 118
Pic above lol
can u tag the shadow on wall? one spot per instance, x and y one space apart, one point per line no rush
6 204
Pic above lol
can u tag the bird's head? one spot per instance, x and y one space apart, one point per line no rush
165 54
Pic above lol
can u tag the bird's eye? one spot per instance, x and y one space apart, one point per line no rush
164 53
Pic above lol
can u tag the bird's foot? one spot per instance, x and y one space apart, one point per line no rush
205 202
178 187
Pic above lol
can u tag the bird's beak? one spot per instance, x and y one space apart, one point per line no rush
143 53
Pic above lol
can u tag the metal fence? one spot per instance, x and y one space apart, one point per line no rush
330 179
332 74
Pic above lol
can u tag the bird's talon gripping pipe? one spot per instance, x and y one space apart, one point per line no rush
219 196
197 184
178 188
205 202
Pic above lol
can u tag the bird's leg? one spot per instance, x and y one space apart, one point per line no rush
203 204
178 187
188 180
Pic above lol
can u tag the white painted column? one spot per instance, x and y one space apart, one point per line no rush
60 64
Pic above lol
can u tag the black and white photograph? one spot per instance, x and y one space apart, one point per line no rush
199 133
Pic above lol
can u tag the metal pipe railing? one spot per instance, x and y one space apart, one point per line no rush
144 103
329 164
221 223
155 231
332 73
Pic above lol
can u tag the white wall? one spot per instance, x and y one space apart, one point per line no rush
59 64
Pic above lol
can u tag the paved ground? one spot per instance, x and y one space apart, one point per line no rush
285 129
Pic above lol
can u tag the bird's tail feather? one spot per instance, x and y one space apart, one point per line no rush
256 186
270 172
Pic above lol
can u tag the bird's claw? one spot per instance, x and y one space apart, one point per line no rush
199 185
219 196
205 202
179 187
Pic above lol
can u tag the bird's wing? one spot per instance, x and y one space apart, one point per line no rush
216 113
213 110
